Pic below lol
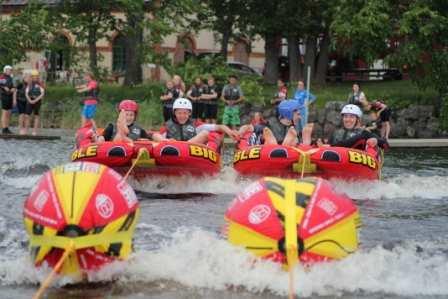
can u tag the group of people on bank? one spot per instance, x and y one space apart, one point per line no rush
25 95
190 115
204 98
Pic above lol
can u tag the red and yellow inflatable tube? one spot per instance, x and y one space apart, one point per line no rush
169 157
325 162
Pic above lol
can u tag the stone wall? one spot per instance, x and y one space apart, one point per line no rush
417 121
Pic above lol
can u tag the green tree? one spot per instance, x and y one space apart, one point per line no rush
413 34
424 48
264 18
89 21
223 17
363 28
145 26
26 30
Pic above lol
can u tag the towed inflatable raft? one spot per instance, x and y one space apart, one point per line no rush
325 162
83 215
169 158
293 220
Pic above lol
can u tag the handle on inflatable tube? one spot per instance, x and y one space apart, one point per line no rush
82 241
303 164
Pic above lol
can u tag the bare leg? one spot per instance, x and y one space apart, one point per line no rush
6 115
291 137
202 138
27 122
22 126
306 134
269 137
36 124
385 130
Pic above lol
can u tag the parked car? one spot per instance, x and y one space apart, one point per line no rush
393 74
243 69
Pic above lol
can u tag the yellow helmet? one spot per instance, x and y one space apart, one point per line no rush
34 73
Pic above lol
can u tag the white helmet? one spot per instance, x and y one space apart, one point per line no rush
352 109
7 67
182 103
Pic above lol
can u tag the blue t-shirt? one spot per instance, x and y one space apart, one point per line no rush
300 96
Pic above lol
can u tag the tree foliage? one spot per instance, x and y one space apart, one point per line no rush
23 31
363 27
410 34
227 18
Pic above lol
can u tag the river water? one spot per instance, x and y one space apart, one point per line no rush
179 253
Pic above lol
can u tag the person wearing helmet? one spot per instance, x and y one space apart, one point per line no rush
34 93
91 91
126 129
7 91
288 131
352 134
182 127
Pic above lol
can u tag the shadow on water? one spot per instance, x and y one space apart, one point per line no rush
193 196
8 169
98 290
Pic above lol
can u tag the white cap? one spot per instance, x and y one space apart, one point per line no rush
182 103
352 109
7 67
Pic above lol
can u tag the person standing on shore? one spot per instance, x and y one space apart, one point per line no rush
304 99
168 97
34 93
357 97
7 91
280 95
91 91
210 96
232 95
194 94
22 102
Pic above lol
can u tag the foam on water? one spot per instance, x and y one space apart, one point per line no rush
403 186
228 182
197 258
21 182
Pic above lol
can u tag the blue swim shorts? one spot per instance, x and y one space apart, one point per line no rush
89 111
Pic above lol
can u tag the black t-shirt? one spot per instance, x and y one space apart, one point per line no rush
135 132
6 81
210 89
174 92
21 88
360 135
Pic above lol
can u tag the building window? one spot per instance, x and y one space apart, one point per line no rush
119 54
240 53
184 50
58 57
